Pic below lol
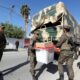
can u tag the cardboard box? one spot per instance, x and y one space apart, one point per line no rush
45 56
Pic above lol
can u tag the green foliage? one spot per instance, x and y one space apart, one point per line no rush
25 10
13 31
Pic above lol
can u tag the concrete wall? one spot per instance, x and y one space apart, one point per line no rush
11 43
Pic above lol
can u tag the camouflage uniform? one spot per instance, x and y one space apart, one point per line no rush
66 55
32 54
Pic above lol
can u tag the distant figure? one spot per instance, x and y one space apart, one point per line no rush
17 45
2 41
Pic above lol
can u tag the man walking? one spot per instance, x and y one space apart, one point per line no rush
2 41
17 44
32 54
66 54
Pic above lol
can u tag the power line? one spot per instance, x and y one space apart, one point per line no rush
10 9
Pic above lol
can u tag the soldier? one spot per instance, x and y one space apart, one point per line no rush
2 41
32 53
66 54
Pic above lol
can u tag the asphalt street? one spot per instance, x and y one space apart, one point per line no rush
15 66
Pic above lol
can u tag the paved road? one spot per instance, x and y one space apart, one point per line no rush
14 66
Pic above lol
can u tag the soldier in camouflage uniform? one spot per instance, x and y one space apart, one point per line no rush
66 55
32 53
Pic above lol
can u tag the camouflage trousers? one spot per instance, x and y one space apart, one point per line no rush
66 56
33 63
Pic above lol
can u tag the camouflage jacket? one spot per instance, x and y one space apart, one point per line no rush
63 42
31 46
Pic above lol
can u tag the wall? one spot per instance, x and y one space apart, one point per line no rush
11 43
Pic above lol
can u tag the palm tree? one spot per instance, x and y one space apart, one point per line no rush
25 11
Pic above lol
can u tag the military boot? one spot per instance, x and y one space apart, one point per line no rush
61 77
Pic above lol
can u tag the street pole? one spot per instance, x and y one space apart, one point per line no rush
25 26
10 13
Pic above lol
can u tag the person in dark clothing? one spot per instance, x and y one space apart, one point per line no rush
2 41
17 45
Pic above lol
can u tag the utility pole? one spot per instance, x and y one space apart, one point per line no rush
10 13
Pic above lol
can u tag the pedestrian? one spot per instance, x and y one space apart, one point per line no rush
2 41
17 45
66 54
32 53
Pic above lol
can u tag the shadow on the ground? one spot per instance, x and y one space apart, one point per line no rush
6 50
1 76
50 68
41 70
12 69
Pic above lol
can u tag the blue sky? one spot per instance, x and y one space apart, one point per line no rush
6 15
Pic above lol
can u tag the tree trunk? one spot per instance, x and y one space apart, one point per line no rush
26 25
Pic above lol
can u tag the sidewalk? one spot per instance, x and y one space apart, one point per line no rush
22 49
